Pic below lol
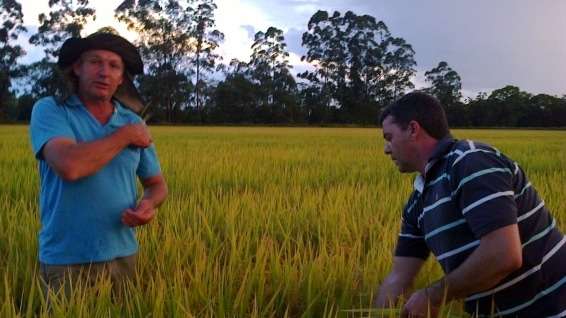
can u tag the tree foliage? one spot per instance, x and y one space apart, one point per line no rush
358 63
446 84
165 42
269 68
10 29
207 39
357 66
66 19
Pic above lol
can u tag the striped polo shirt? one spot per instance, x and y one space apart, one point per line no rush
469 190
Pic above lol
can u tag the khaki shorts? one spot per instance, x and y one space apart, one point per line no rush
64 277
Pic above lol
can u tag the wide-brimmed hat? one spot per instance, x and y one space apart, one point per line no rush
126 93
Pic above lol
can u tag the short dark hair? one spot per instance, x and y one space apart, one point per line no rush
422 108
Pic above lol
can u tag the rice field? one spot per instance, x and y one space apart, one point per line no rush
260 222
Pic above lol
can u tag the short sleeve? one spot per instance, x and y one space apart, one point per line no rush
482 186
48 121
411 242
149 163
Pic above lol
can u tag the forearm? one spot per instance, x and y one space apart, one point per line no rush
390 290
471 277
78 160
155 190
398 282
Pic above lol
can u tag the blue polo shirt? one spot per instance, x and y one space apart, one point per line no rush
469 190
81 220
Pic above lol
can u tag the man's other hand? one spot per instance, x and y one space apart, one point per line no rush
137 135
419 305
141 215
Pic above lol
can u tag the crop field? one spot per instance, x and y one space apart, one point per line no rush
259 222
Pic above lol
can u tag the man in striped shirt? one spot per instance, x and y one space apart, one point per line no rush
475 210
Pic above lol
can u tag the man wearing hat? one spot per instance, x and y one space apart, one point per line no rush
90 147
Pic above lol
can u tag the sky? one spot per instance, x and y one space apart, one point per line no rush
489 43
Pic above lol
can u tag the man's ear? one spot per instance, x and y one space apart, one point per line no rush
76 67
414 128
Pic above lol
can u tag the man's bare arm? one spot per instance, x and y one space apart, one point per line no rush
498 255
398 281
72 161
155 192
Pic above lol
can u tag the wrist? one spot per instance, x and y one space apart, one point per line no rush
435 293
147 202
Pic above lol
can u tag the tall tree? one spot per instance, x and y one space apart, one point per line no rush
357 62
66 18
207 39
165 39
235 96
446 84
10 29
508 104
324 50
270 69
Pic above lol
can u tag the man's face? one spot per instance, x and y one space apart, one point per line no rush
100 72
399 145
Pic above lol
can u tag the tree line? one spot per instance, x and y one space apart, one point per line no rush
357 67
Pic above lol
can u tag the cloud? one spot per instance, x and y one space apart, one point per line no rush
250 29
33 53
293 39
489 43
232 18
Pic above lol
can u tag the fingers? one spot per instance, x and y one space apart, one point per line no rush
139 135
144 137
136 218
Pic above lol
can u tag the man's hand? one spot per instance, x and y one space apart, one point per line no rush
398 281
141 215
419 305
137 135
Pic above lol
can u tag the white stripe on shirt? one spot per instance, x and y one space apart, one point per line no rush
458 250
444 228
531 212
471 144
541 234
465 153
523 190
410 236
562 314
538 296
487 198
434 205
478 174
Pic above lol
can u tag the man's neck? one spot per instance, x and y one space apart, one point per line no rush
101 109
427 149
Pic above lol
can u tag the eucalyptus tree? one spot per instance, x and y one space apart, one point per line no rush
357 63
270 69
10 29
235 96
65 19
206 40
446 84
165 41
